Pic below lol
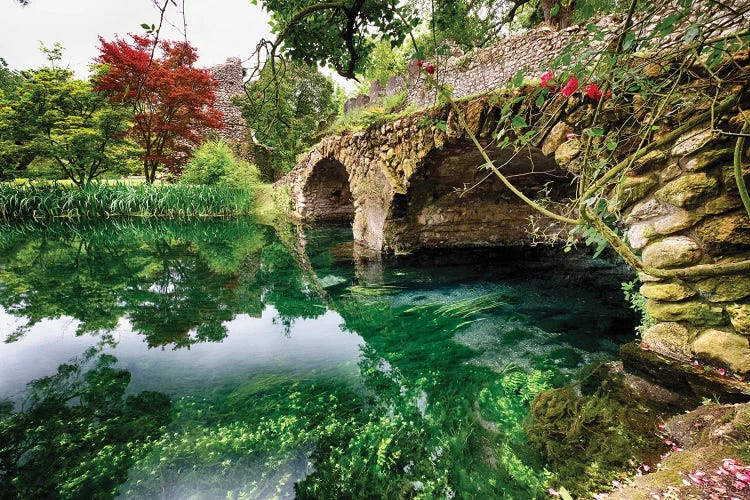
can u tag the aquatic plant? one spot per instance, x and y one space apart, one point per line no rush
45 201
77 434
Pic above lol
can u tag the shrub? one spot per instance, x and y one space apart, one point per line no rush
213 163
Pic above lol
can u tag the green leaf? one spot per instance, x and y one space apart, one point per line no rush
611 145
518 79
628 42
441 125
145 26
592 27
518 121
539 101
555 10
595 132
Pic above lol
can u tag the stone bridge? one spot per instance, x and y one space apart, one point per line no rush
408 184
418 181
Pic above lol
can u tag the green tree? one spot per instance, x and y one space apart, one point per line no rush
337 34
285 109
58 117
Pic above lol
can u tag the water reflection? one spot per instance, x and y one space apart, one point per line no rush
291 370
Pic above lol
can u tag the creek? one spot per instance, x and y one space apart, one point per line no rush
227 359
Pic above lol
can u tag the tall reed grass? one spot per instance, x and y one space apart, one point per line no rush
44 201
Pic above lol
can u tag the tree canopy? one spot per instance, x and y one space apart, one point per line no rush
52 115
172 101
284 111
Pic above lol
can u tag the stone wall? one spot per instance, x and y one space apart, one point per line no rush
685 210
235 132
531 51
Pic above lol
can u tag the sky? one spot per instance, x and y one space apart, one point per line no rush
217 28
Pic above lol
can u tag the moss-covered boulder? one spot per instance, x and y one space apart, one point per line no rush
724 288
724 349
739 315
670 292
690 190
634 188
674 251
670 339
694 312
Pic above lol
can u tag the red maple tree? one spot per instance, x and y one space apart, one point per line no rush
172 101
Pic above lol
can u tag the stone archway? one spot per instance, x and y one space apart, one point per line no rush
327 195
452 202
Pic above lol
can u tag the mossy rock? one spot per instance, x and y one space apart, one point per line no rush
693 312
724 288
725 349
673 251
690 190
725 233
739 316
589 435
692 382
633 189
670 292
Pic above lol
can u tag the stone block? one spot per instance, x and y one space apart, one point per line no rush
646 209
705 159
670 292
725 232
693 312
633 189
638 235
724 288
673 251
691 141
689 190
671 171
650 161
676 221
556 137
567 151
739 316
722 204
725 348
670 339
730 181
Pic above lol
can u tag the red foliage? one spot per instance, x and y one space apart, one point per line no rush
593 91
430 69
173 102
570 87
546 78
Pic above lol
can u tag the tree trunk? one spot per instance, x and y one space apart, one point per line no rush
564 15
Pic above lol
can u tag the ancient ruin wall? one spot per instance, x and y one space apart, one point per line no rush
531 51
230 78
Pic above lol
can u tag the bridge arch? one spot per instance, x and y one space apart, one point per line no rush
450 201
327 193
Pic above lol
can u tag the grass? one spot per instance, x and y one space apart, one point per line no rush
45 201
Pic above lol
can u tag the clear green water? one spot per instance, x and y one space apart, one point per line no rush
224 359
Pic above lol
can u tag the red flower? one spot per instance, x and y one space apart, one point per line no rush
430 69
570 87
419 63
593 91
546 78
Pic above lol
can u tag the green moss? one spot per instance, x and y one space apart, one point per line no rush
592 432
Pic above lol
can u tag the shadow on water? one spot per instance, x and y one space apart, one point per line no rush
293 369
